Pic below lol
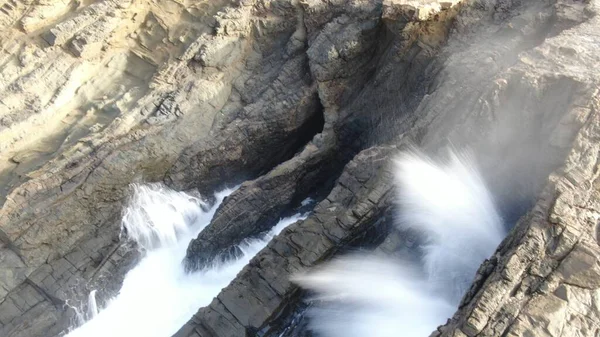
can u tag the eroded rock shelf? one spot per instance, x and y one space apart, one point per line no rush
295 99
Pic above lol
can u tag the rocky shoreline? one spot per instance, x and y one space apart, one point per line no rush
298 99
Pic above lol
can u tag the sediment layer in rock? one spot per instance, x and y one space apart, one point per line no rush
293 96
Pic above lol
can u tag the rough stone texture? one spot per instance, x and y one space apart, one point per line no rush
262 290
501 67
343 54
258 204
543 280
118 91
95 95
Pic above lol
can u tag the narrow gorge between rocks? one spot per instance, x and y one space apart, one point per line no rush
299 168
163 222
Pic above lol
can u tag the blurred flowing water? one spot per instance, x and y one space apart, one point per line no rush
366 295
158 296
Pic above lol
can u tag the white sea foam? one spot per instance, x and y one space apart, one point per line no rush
157 296
378 297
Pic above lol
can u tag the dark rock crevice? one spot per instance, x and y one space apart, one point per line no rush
346 214
290 94
460 103
347 86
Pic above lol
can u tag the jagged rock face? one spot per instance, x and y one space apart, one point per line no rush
292 96
494 72
126 91
352 45
358 202
543 280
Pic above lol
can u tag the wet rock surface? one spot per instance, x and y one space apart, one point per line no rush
541 279
297 99
357 203
514 85
180 97
343 57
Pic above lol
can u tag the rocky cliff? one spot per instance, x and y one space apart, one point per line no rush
298 99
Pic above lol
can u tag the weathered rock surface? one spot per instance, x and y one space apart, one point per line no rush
499 69
258 204
295 97
543 280
358 202
122 90
350 46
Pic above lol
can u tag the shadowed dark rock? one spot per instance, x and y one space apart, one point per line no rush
298 97
356 205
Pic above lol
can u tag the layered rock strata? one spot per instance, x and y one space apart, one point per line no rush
520 111
350 49
122 89
359 201
292 96
543 279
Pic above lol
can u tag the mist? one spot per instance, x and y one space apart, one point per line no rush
447 203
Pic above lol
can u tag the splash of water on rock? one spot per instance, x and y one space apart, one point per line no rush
448 203
158 296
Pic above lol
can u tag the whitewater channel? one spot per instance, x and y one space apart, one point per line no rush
157 296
